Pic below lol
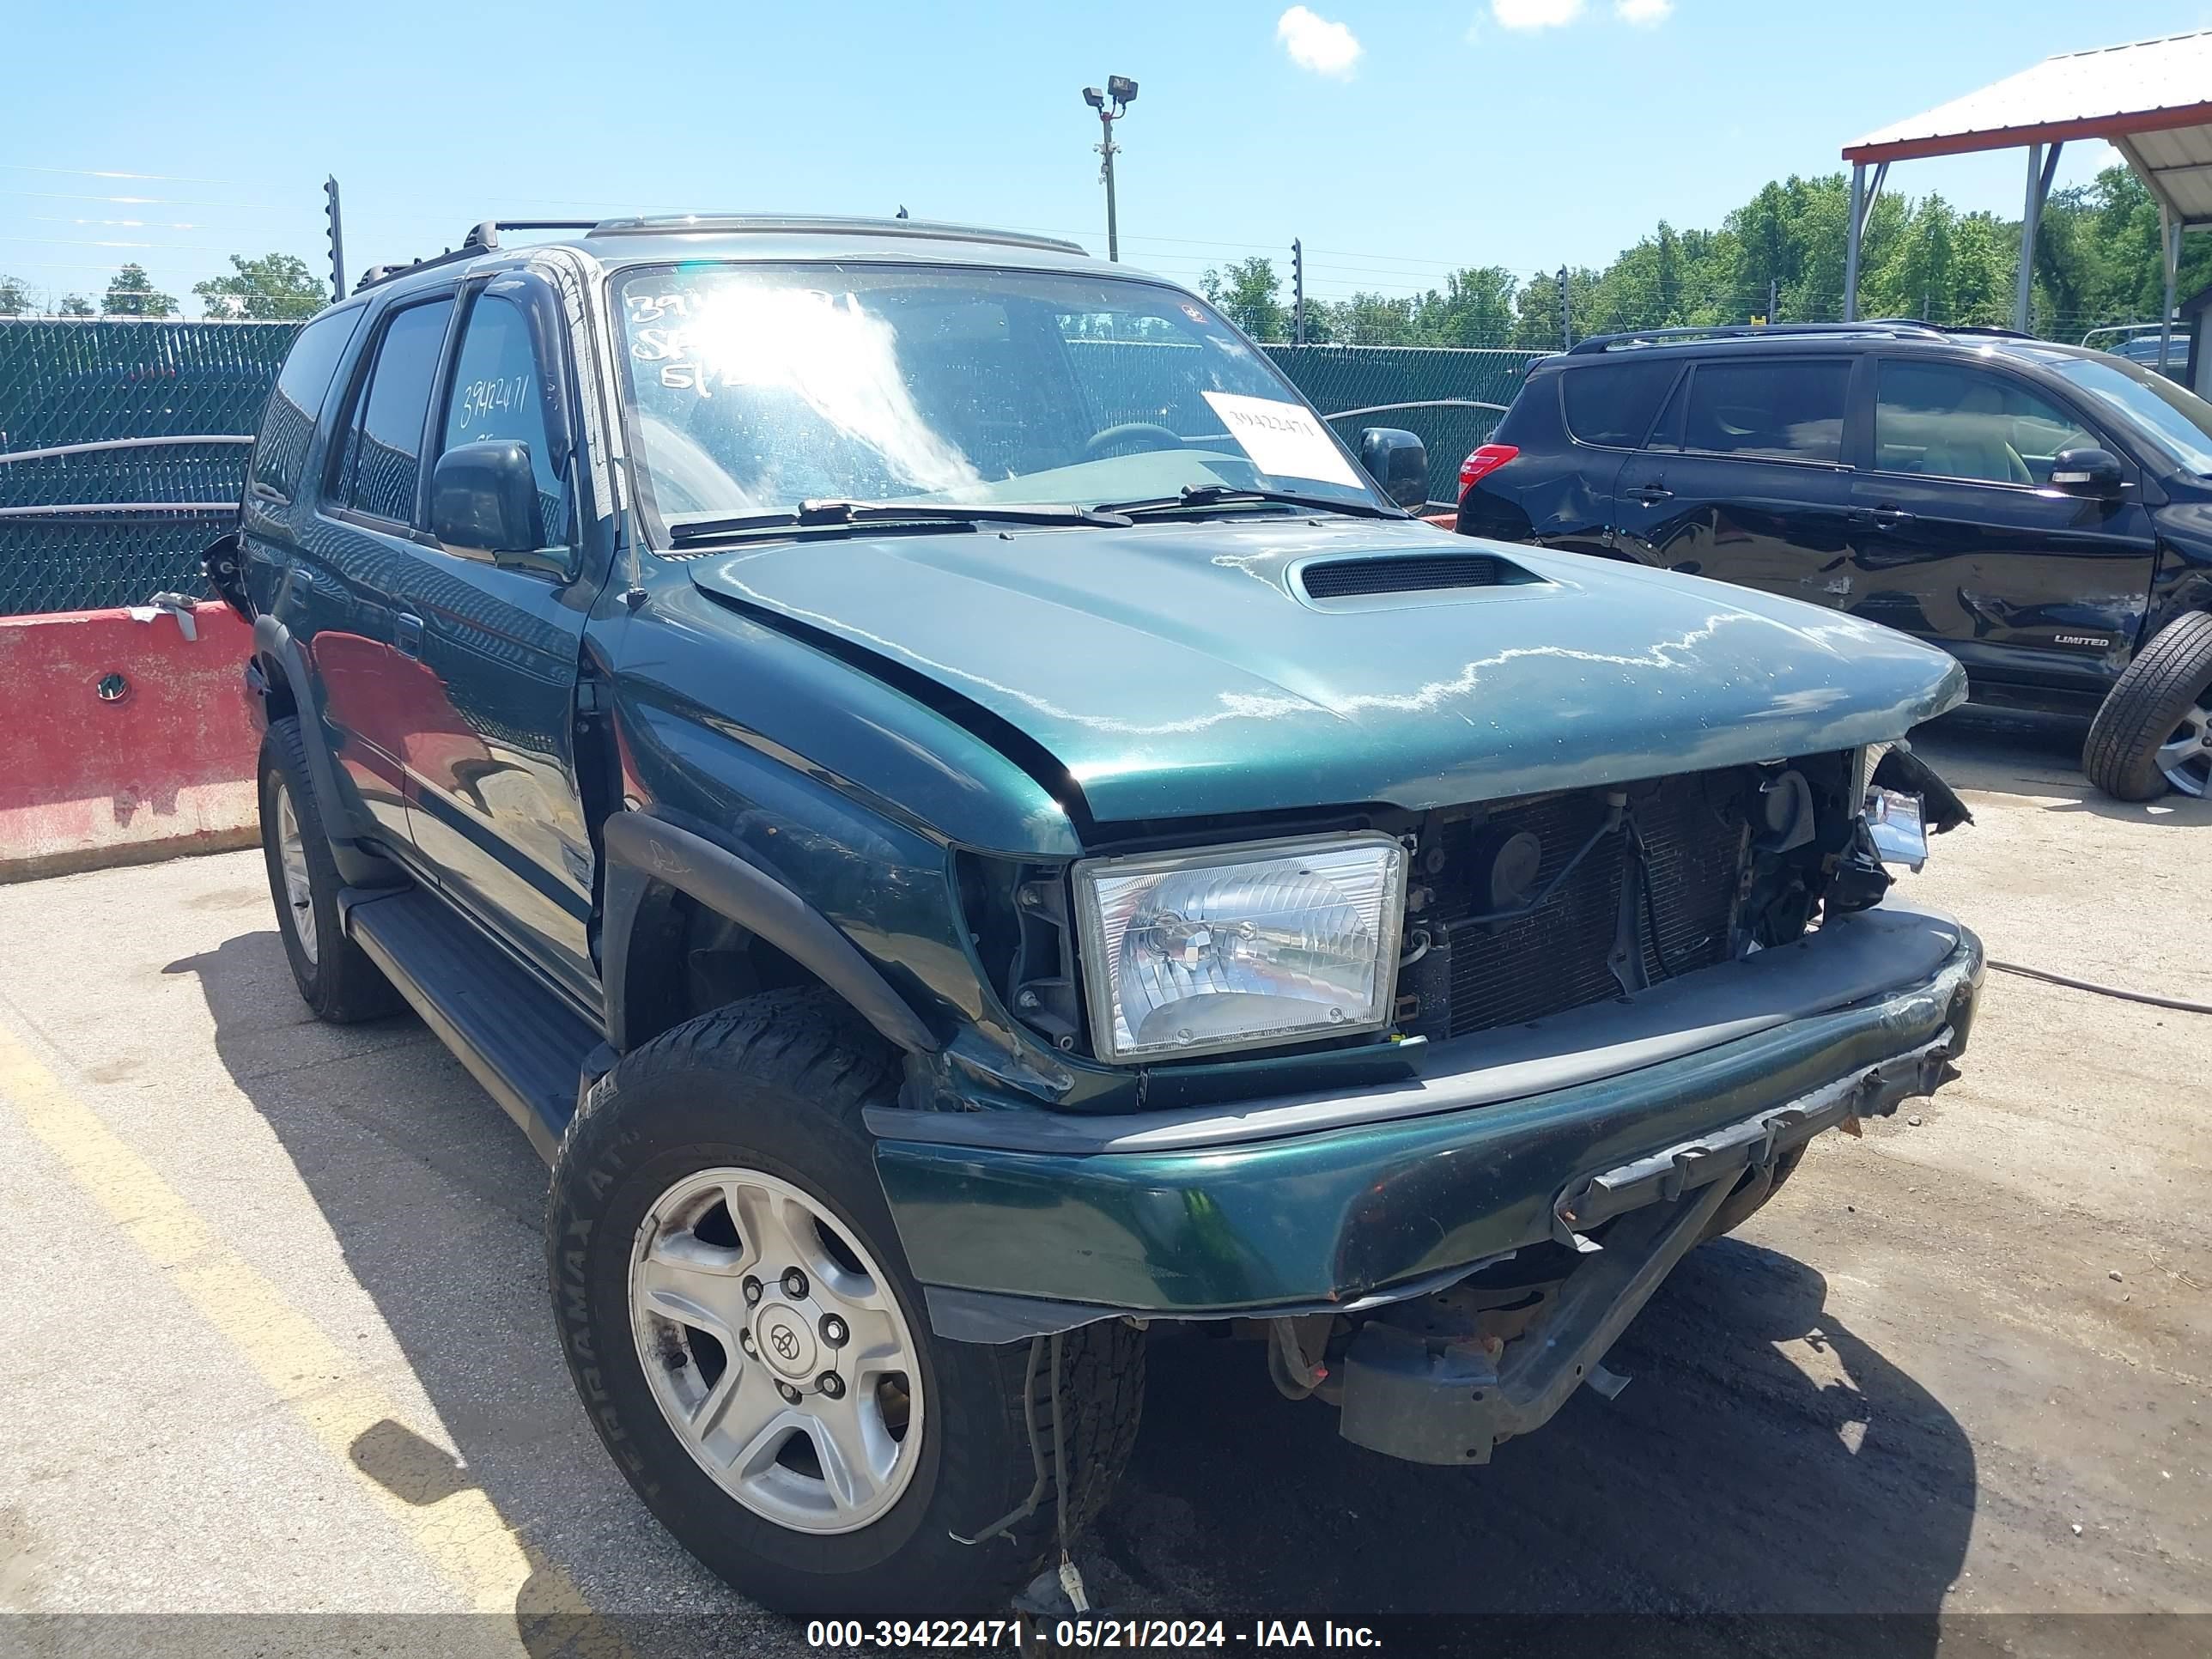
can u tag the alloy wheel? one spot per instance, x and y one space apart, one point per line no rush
292 859
775 1350
2186 758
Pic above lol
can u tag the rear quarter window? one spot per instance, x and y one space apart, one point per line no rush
1613 404
288 424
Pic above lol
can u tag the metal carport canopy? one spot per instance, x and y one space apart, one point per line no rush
2151 100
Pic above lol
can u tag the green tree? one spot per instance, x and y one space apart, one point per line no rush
1475 309
132 292
1781 254
1536 310
15 296
1248 290
275 287
1368 320
76 305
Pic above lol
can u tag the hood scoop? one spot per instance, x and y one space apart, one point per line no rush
1325 581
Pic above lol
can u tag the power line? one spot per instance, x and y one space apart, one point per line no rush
141 201
105 173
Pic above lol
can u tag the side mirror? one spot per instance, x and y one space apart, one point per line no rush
1399 462
484 499
2092 472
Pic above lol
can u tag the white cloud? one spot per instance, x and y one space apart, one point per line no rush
1316 44
1646 14
1534 14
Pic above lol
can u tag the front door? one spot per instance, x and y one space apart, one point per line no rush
494 797
1958 537
1743 478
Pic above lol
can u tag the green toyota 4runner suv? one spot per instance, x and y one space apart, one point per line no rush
966 825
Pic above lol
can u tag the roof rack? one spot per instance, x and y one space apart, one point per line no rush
483 238
1990 329
1893 327
808 224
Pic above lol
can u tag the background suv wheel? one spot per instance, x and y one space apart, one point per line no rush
2154 731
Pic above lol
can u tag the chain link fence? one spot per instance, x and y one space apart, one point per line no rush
120 457
1448 397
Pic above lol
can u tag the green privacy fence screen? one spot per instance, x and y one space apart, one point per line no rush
64 385
107 526
1364 377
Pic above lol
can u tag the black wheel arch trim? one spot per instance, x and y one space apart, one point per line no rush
643 851
273 644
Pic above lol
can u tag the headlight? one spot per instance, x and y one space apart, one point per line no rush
1187 954
1898 822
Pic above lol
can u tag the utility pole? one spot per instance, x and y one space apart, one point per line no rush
1566 316
1111 105
337 228
1298 292
1773 301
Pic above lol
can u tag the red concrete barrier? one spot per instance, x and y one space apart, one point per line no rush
123 740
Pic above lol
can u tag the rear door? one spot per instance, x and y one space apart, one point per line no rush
1958 538
491 768
1743 478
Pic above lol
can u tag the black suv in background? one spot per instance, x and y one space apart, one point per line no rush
2043 512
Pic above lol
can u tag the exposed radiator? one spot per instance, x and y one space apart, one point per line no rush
1498 973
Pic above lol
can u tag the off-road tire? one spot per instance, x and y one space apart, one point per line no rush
2141 710
340 983
776 1084
1752 1193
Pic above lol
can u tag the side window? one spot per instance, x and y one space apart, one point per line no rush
381 472
1946 421
499 391
287 425
1788 412
1613 404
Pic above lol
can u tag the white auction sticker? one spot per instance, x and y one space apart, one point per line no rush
1282 438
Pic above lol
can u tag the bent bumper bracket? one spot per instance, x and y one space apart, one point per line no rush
1753 1144
1407 1397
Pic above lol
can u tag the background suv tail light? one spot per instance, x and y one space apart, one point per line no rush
1482 463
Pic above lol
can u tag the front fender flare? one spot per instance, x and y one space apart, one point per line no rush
643 850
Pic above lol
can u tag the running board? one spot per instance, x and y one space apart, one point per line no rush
516 1036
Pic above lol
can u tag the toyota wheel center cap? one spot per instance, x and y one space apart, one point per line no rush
785 1342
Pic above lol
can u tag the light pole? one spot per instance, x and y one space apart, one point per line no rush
1111 105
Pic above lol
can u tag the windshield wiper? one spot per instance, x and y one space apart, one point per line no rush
843 514
1193 496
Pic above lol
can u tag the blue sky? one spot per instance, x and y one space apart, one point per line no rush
1472 132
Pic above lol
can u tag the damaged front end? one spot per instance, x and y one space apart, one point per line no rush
1620 1015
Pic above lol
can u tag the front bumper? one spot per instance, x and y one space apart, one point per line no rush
1021 1223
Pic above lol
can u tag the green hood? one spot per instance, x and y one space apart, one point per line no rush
1177 669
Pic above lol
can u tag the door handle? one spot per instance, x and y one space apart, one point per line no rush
1881 518
1652 494
407 634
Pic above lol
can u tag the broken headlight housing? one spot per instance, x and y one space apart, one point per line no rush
1237 947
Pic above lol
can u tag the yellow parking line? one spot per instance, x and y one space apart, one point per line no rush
460 1530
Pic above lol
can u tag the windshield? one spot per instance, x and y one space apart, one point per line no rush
759 387
2177 420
